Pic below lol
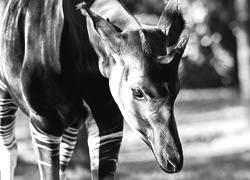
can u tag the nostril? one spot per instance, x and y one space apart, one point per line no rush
175 164
173 168
169 167
172 164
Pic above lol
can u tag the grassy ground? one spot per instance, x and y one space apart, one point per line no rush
214 130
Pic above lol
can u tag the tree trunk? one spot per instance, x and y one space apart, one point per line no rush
243 48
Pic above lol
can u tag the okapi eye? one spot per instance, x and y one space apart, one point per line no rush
138 94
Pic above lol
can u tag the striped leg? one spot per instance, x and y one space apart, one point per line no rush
8 147
47 152
104 154
67 147
104 139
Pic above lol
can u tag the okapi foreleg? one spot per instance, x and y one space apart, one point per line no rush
104 140
47 152
104 155
8 147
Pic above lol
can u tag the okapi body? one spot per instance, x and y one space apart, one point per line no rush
59 63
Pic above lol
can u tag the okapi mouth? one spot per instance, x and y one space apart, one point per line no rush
168 164
172 167
171 164
169 157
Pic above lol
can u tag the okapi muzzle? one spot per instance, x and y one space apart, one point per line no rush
164 141
144 78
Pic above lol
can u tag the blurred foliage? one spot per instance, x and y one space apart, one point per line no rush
210 58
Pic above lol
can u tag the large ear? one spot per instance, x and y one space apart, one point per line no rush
171 22
107 30
171 61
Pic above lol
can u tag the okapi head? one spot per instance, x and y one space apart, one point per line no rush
144 78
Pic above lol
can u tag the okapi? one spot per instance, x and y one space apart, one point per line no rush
59 62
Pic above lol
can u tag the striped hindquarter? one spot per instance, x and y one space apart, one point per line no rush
54 153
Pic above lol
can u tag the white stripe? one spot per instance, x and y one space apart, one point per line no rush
5 106
69 137
94 142
8 103
72 130
42 146
2 99
45 138
65 160
113 135
68 145
4 142
66 153
65 156
7 134
72 143
110 141
9 116
12 144
3 86
6 100
7 109
43 163
7 127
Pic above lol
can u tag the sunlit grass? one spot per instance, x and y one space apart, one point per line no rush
215 135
